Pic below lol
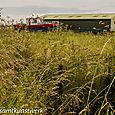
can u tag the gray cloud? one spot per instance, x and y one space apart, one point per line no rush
25 7
82 4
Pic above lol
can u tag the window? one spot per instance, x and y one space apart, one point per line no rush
70 16
27 21
95 16
78 16
55 16
34 21
103 16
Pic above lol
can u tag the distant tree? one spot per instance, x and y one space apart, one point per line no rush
0 11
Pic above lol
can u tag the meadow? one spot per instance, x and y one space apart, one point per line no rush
60 72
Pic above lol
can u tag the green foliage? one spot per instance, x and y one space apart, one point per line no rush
62 72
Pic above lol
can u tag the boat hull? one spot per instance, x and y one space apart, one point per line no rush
40 27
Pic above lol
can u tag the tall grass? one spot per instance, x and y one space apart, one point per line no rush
62 72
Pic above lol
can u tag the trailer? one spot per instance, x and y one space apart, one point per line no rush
84 22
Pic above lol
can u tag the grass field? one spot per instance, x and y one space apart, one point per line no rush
60 72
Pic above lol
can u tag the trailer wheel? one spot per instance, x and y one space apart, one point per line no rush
95 32
20 30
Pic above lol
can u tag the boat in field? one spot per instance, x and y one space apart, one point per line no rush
37 24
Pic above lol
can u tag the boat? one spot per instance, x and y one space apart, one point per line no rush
37 24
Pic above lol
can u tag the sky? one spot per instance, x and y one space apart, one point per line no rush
81 4
22 7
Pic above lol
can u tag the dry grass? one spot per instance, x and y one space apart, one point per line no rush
63 72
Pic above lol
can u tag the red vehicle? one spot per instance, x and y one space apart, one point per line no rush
33 24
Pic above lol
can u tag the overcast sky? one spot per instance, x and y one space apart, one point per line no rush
21 7
81 4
